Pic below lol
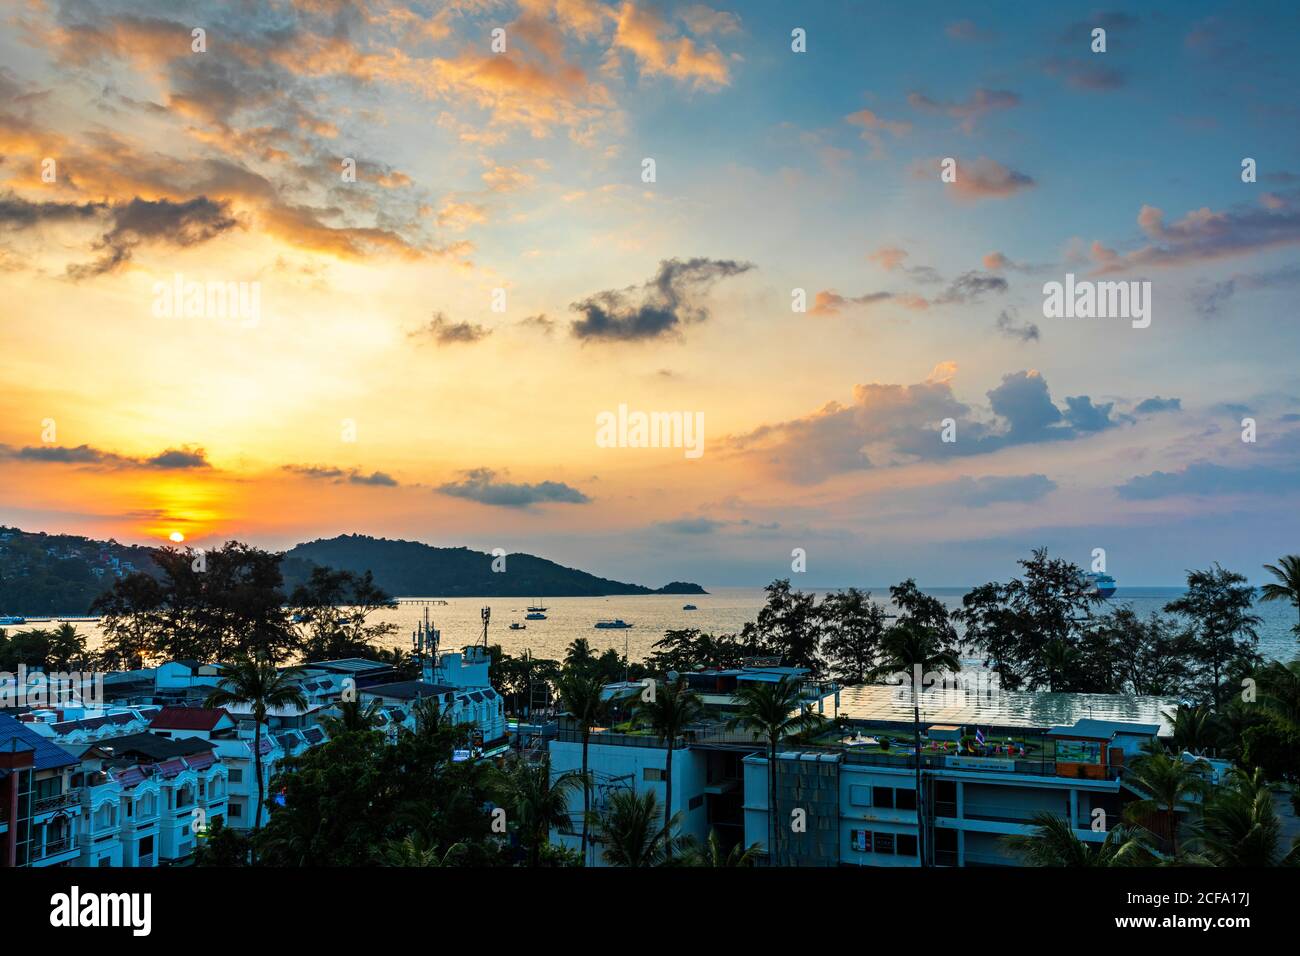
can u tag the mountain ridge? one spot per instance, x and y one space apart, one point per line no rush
60 574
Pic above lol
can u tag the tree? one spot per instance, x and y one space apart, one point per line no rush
1170 784
222 846
1149 657
538 803
1279 686
631 834
772 711
127 612
1240 826
1219 603
688 649
414 851
788 625
672 708
713 855
352 716
915 648
205 606
333 607
1195 728
1054 843
854 626
1031 629
258 684
1287 586
583 697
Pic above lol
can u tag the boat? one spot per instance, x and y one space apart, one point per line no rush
516 626
618 624
538 607
535 616
1103 585
689 607
12 619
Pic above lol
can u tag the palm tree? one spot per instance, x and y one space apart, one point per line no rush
1287 571
539 803
1280 687
414 851
673 707
257 683
1240 826
1195 727
353 716
631 832
1170 784
1054 843
583 695
711 854
916 651
772 711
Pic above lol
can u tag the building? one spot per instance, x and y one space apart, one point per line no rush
40 807
846 795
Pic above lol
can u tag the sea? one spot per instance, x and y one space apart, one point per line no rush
723 610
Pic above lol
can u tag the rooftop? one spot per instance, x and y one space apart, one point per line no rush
995 707
16 736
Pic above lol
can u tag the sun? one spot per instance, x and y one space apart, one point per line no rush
177 537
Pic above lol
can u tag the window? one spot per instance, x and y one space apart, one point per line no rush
236 810
884 842
653 774
906 844
905 799
860 796
146 845
861 840
882 797
236 775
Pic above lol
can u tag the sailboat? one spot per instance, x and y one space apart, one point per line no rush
536 612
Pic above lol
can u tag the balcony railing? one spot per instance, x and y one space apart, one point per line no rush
146 859
53 848
56 802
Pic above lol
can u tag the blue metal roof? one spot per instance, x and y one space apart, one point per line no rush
15 734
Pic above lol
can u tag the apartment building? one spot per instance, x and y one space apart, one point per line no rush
40 808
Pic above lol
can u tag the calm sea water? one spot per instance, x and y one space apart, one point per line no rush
723 610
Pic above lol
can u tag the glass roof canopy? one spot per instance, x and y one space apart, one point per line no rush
1000 708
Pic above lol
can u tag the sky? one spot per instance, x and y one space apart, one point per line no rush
452 238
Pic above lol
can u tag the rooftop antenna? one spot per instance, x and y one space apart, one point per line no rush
486 613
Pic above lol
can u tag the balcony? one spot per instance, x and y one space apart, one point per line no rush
57 802
52 848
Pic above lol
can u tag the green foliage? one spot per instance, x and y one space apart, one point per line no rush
333 608
1273 746
55 649
356 793
222 846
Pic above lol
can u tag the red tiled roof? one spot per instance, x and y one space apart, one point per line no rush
188 718
170 768
200 761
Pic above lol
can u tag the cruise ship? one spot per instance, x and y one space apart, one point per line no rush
1103 585
618 623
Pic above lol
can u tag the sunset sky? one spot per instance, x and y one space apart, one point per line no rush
522 171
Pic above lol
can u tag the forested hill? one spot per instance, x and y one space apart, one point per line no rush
414 569
55 574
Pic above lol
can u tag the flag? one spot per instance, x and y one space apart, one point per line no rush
979 736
